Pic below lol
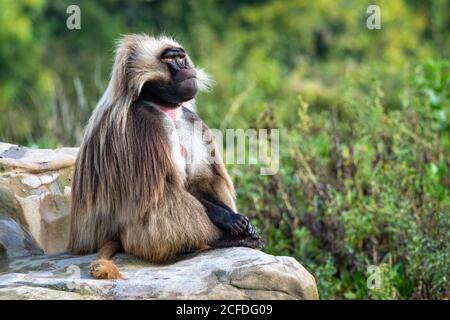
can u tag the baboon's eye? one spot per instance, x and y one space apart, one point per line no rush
175 58
171 54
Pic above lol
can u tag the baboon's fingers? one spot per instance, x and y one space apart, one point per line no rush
236 225
242 223
251 231
104 269
235 229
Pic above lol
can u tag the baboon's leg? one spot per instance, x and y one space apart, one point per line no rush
215 191
178 224
103 267
214 183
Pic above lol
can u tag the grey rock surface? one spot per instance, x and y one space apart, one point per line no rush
15 241
232 273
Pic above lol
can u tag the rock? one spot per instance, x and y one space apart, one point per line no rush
15 241
20 159
232 273
36 184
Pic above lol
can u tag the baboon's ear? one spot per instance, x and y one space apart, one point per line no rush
204 80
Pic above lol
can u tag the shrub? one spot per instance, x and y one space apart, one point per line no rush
363 184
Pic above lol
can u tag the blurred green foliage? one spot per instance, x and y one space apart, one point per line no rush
364 115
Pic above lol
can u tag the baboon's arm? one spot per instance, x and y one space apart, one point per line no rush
214 189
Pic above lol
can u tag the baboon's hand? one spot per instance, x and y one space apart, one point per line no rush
235 224
230 222
251 232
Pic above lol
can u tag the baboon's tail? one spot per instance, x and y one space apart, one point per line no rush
103 267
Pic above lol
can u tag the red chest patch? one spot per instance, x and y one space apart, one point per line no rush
173 114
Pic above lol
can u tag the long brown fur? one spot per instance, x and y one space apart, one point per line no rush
125 187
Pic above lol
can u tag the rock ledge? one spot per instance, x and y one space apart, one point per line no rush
232 273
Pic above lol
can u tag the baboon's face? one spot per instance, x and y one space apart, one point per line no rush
156 69
179 83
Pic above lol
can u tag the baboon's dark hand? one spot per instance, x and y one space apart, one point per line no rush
230 222
251 231
235 224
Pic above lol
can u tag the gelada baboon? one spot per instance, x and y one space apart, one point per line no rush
144 181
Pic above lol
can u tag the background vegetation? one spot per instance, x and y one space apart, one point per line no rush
364 115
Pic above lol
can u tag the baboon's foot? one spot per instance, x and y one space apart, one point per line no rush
104 269
254 243
240 242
